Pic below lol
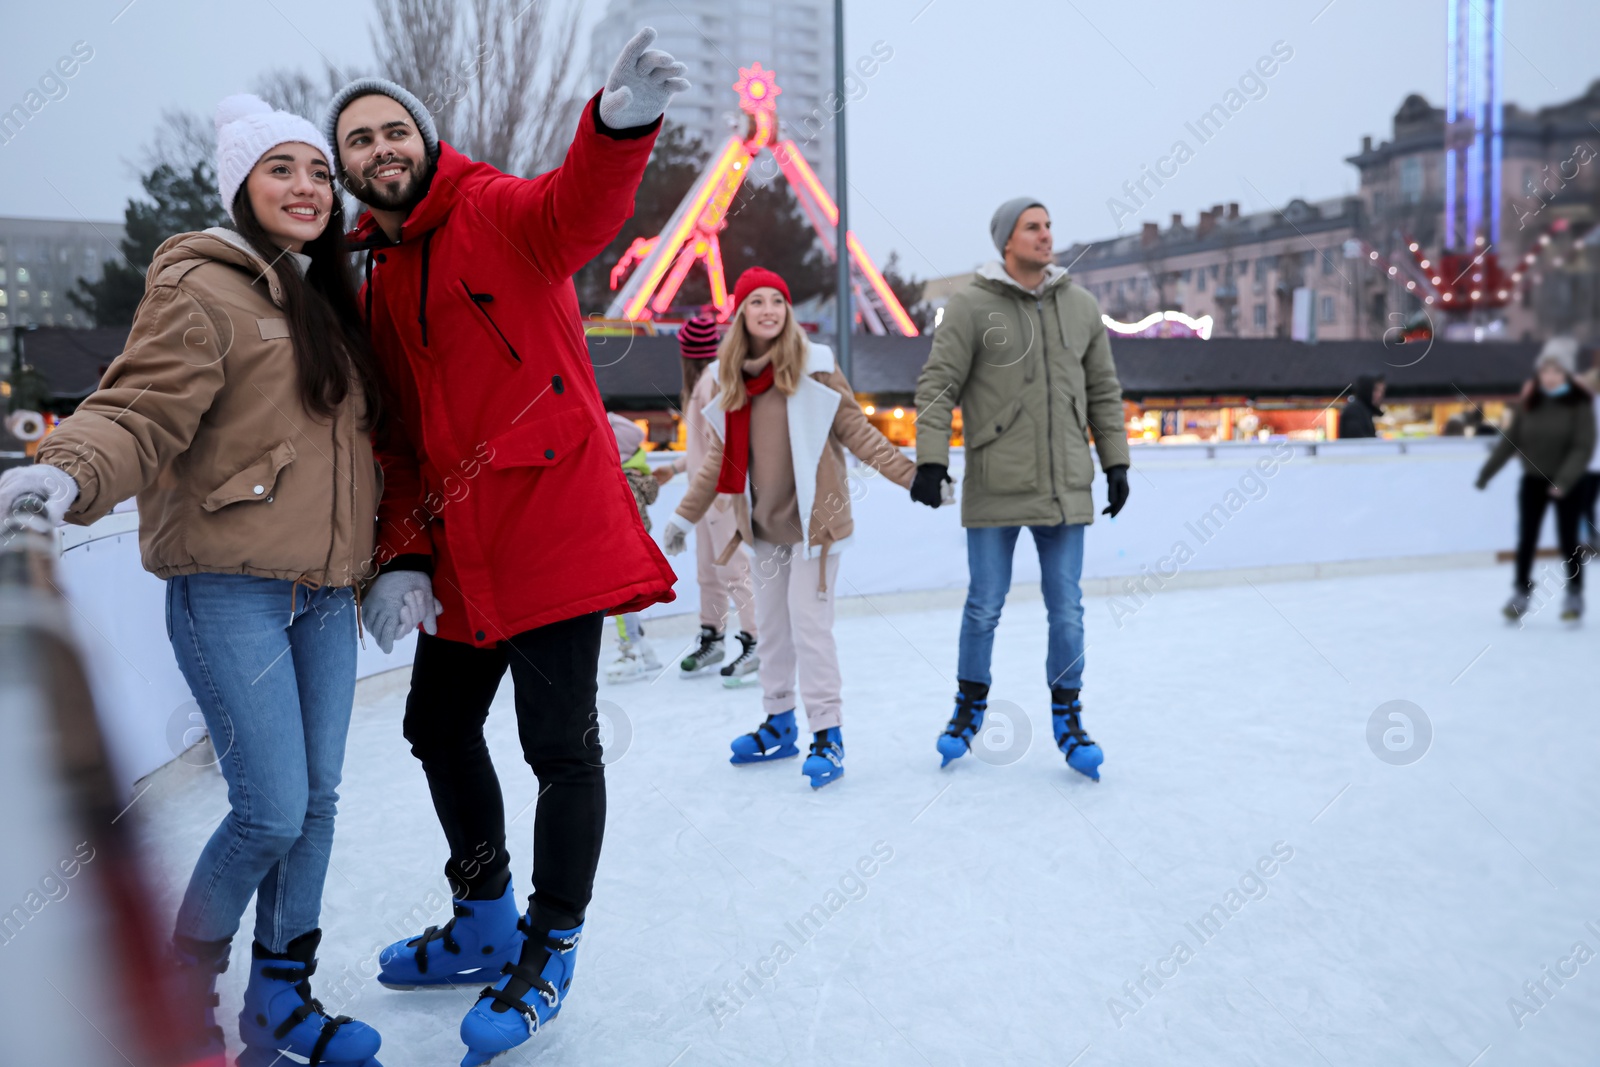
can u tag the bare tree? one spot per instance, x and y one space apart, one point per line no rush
292 89
498 75
183 140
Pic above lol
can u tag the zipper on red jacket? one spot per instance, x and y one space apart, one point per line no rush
478 301
422 308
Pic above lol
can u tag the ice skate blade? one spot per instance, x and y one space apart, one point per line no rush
782 752
743 681
452 983
477 1059
266 1057
708 671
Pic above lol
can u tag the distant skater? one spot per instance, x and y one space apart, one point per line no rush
1553 433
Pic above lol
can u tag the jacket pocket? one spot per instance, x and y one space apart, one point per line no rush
255 482
482 302
543 442
1005 450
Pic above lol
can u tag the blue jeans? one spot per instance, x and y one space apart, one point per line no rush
989 552
276 692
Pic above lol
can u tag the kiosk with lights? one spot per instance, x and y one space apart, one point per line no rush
659 264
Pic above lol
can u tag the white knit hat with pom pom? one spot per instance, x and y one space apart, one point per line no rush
247 129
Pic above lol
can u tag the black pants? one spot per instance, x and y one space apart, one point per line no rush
1585 495
554 671
1532 498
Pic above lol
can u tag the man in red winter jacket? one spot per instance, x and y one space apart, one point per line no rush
506 529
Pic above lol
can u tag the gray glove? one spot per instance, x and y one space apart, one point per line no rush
397 602
641 84
53 484
674 538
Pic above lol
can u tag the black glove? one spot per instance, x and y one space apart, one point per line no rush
1116 489
925 486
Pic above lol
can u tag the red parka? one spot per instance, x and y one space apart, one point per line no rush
500 472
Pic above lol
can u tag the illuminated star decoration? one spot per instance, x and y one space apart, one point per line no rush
758 89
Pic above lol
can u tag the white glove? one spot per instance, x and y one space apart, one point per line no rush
947 493
397 602
53 484
673 538
641 84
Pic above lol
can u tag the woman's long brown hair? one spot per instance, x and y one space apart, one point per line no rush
331 350
789 351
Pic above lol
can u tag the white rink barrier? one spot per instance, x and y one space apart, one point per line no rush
1287 508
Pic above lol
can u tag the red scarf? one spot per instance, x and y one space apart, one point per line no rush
736 435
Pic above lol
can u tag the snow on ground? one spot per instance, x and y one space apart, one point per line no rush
1012 908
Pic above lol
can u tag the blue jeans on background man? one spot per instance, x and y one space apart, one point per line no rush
276 692
989 552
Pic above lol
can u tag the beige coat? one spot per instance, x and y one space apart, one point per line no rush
201 418
824 420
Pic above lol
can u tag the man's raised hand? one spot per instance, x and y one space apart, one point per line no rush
641 84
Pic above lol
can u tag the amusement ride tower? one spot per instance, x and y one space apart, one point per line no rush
660 264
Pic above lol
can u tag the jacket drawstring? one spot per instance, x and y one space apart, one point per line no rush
360 637
422 309
311 587
369 288
822 572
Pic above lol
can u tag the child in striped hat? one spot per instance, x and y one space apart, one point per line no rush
719 583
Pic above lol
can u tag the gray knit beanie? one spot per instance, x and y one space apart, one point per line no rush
1562 351
384 87
1005 219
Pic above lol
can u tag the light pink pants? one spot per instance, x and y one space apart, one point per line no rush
797 633
718 585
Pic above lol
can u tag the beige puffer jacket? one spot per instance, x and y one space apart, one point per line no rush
201 418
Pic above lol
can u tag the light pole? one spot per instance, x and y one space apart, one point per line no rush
844 310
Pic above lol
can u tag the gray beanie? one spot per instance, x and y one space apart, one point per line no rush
384 87
1562 351
1004 221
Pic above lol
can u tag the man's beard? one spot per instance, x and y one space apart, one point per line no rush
374 194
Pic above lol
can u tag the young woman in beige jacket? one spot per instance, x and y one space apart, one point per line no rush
780 424
239 414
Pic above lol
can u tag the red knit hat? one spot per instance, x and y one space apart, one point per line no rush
755 278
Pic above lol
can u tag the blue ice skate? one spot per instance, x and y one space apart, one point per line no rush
1083 755
773 739
281 1023
972 700
527 998
471 948
826 761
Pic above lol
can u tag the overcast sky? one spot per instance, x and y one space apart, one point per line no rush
1063 100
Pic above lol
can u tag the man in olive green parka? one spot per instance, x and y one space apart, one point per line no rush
1024 354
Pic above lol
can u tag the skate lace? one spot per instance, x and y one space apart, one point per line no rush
707 639
744 655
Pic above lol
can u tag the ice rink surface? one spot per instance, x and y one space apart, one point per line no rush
1017 913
